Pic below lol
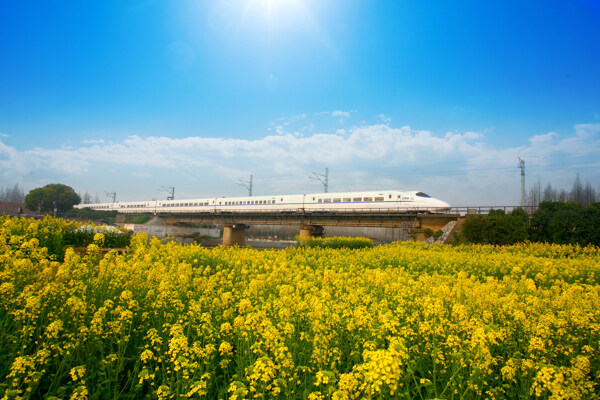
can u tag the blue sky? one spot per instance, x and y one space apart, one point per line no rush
438 96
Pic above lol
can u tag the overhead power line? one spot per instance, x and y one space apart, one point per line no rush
113 195
170 190
522 167
247 185
324 179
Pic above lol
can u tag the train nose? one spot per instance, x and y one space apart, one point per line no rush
443 205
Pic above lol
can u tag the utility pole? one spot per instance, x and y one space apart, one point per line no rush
170 190
247 185
324 179
522 166
113 195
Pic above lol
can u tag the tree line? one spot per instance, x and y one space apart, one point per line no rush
553 222
580 193
12 194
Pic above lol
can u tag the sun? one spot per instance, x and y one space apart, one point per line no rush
275 14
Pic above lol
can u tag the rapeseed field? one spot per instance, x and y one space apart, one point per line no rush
400 321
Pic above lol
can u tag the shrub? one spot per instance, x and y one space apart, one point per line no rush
336 242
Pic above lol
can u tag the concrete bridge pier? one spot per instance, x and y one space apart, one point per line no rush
307 231
234 234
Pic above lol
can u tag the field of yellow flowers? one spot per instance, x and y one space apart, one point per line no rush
400 321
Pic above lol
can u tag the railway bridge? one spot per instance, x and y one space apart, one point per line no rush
311 223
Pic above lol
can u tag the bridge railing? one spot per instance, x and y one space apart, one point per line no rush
485 210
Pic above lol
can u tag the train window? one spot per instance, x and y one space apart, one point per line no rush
320 200
337 200
421 194
390 196
347 199
282 199
326 200
368 199
357 199
378 198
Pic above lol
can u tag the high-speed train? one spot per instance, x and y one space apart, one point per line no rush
367 201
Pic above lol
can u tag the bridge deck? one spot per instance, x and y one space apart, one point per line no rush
370 219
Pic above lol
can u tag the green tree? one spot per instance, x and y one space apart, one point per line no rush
562 223
57 195
497 227
590 229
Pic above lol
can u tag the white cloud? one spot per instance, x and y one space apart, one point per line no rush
342 114
542 139
587 130
459 167
383 119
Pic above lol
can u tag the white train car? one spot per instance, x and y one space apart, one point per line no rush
363 201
